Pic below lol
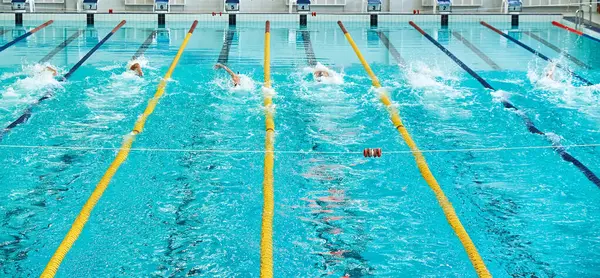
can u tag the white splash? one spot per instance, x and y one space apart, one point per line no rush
334 77
421 75
555 138
37 80
246 84
110 68
556 85
144 63
500 95
268 92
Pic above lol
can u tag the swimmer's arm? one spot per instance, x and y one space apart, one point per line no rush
226 69
52 70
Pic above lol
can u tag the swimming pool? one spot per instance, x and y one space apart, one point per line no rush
188 199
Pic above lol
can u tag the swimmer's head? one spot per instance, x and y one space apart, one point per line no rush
135 66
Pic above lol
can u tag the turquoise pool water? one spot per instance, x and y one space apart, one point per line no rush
175 209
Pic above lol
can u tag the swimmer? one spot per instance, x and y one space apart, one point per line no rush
319 74
51 69
137 68
234 77
550 73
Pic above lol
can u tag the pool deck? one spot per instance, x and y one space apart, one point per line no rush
594 26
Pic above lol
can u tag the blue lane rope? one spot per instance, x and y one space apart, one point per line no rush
91 52
21 37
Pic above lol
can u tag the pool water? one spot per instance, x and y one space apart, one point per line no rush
188 200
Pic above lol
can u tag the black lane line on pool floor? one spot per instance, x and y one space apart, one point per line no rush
476 50
60 47
224 55
27 114
144 45
536 53
557 49
530 125
335 245
308 49
384 39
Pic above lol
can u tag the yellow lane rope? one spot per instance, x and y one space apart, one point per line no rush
303 152
89 205
449 212
266 235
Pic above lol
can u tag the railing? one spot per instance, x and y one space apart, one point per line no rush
40 1
579 18
549 3
319 2
456 3
151 2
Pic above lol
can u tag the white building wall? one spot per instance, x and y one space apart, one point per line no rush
279 6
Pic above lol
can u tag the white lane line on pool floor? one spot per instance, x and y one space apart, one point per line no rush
491 149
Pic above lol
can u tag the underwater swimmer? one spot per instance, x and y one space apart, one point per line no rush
137 68
234 77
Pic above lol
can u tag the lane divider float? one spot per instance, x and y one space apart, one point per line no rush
266 236
369 152
84 214
575 31
445 204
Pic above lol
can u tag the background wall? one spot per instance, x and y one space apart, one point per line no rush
279 6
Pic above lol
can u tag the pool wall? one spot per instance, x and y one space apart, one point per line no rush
279 6
279 17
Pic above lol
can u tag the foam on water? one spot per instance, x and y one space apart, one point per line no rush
109 104
246 84
436 89
36 82
434 81
334 77
500 95
330 105
224 82
559 89
110 68
142 60
555 138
